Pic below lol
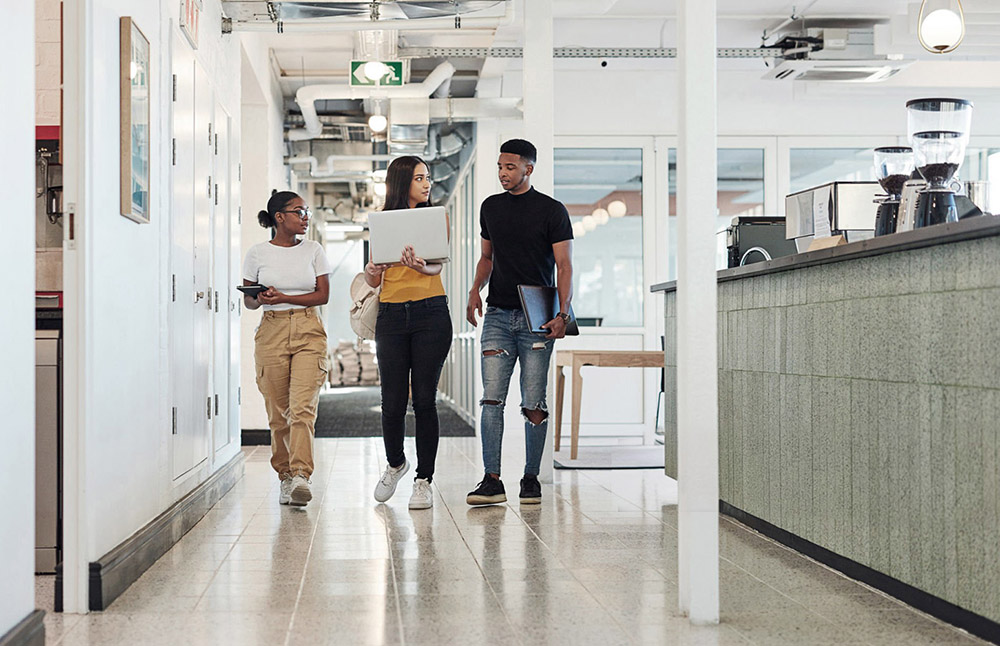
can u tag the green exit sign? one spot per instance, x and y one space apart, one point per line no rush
393 73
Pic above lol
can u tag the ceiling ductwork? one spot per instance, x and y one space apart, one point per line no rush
838 53
307 96
347 15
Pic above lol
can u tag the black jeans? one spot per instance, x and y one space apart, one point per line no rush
411 342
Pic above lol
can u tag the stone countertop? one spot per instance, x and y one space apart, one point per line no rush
968 229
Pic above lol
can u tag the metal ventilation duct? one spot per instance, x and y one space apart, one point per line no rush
250 15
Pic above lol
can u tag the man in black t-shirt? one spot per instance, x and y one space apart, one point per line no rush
525 236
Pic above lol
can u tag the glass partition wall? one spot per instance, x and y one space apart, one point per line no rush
602 190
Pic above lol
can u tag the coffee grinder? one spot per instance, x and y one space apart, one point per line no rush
939 132
893 166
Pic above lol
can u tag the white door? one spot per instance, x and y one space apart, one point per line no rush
235 278
202 283
182 258
222 280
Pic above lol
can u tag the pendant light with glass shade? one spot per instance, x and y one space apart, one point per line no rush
600 215
941 25
377 121
617 209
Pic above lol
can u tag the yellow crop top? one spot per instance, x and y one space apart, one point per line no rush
402 284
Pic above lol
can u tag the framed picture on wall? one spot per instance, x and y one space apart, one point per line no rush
190 16
135 85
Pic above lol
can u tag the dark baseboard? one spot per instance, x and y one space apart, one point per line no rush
30 631
114 572
944 610
256 436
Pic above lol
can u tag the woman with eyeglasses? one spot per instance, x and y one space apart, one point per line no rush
412 339
290 350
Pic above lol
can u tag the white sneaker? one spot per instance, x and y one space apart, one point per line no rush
422 497
300 492
387 483
285 492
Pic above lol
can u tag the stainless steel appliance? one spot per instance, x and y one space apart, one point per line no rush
939 132
752 239
48 418
985 195
893 166
846 205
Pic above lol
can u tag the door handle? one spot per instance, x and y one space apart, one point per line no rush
198 296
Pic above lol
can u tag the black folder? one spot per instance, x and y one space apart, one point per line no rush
540 305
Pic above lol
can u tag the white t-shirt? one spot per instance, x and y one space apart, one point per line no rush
290 270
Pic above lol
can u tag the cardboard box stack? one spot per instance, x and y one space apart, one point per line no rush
369 366
336 372
350 367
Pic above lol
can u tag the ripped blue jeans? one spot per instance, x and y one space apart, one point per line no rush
506 341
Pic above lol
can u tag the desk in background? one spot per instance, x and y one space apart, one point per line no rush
576 359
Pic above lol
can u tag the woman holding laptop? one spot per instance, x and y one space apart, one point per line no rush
290 344
412 339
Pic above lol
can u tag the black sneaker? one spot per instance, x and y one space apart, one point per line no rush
531 490
489 492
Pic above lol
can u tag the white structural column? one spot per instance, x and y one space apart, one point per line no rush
17 382
697 360
539 121
537 91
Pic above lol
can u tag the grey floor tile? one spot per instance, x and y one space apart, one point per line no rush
596 563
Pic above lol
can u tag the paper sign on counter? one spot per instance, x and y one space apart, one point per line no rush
821 214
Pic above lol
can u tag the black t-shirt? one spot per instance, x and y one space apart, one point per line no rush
522 229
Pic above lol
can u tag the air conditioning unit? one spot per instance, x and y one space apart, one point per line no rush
862 71
832 54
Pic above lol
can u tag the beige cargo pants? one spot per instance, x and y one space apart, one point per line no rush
291 357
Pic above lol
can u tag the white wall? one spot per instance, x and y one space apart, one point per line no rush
263 170
124 279
17 379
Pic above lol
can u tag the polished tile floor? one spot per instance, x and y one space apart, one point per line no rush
594 564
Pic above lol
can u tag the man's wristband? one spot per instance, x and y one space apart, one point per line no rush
564 316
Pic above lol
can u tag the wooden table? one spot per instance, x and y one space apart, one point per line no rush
576 359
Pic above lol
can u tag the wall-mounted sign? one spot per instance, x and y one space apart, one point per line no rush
190 17
363 71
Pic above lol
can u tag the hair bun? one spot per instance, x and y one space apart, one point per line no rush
265 219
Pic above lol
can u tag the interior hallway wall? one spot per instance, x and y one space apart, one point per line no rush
263 170
17 379
125 282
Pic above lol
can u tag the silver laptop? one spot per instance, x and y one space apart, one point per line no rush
426 230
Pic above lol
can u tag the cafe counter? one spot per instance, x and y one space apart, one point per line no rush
859 411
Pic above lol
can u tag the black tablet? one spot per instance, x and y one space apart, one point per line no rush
540 305
251 290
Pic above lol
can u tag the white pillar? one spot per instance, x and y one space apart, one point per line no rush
17 263
537 88
539 122
697 360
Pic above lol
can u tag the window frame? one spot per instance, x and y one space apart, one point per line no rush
649 228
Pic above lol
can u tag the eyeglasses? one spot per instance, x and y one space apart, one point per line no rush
303 213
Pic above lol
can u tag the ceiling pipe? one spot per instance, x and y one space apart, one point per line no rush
415 24
473 109
307 96
328 171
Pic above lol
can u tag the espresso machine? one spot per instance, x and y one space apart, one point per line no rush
893 166
939 133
